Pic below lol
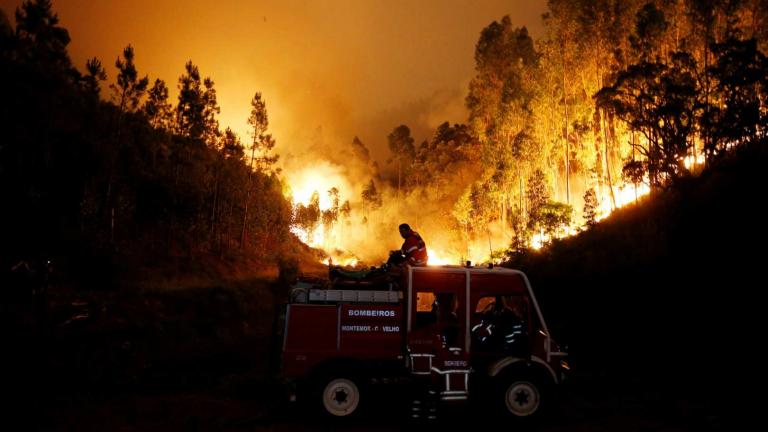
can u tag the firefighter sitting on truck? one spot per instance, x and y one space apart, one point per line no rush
413 252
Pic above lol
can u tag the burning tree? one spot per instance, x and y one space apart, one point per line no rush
371 197
401 146
462 212
590 207
331 215
307 217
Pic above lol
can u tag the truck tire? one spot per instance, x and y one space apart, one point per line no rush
340 396
522 397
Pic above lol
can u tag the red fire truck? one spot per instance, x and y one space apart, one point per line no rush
451 333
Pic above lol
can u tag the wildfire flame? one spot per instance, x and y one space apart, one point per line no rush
624 195
323 177
690 161
319 179
437 258
344 262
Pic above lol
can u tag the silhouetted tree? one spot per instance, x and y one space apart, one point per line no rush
662 103
191 106
95 74
360 151
371 196
262 143
738 70
308 217
499 104
83 174
555 216
462 212
126 94
330 216
538 196
157 108
650 27
401 146
590 207
41 41
129 88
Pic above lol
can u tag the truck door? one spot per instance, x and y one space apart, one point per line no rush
437 337
500 325
438 309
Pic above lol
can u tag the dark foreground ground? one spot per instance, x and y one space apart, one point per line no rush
582 407
203 359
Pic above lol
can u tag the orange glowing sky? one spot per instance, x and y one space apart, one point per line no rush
349 67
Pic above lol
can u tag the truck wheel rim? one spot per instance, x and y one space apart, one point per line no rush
522 398
341 397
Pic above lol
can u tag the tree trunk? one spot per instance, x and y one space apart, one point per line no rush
567 149
606 138
522 193
598 152
466 241
247 195
108 199
503 215
707 144
490 247
215 205
632 137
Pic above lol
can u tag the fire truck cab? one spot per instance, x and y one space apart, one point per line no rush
450 333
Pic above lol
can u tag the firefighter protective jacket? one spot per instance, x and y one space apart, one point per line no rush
415 250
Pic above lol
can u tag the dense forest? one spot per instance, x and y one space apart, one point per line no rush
616 100
94 172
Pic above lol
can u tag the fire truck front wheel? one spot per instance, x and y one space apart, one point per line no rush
523 393
340 396
522 398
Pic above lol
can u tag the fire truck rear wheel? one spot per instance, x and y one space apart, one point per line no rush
341 397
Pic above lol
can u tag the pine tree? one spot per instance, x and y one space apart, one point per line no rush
157 108
129 88
95 74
